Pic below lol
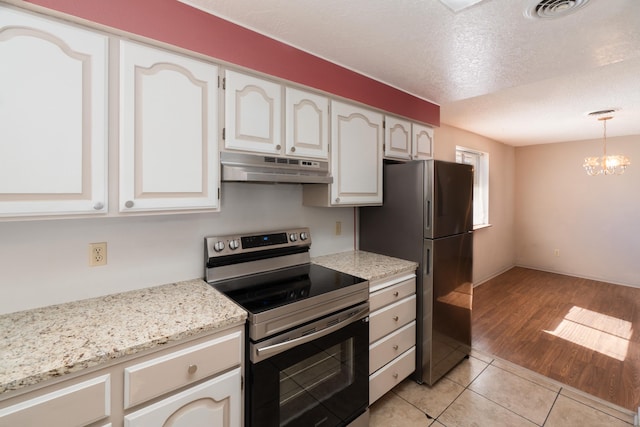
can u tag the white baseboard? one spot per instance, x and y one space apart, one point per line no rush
564 273
486 279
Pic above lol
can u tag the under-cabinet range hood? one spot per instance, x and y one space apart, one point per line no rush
242 167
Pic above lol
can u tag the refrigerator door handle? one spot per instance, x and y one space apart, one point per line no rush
427 214
428 266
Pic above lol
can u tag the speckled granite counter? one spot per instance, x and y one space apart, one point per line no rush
39 344
363 264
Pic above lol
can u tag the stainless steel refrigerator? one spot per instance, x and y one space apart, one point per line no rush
427 217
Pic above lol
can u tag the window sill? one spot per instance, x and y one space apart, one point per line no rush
480 226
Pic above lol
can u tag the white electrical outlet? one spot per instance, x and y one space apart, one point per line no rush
97 254
556 252
338 228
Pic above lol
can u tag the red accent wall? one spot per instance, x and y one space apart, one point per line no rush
175 23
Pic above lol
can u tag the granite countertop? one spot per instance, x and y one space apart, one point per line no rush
44 343
367 265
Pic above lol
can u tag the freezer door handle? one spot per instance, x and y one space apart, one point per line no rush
428 266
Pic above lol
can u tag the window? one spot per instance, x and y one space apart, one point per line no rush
480 163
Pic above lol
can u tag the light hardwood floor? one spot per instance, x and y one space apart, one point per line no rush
582 333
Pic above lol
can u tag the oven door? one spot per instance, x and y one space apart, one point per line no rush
322 382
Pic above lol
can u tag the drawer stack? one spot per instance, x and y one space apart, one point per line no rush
392 333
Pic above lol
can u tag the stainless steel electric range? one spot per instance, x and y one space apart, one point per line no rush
307 334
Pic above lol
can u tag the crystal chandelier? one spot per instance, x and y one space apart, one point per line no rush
607 164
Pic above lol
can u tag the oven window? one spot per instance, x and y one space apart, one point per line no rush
316 379
323 383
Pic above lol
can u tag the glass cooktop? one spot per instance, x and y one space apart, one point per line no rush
265 291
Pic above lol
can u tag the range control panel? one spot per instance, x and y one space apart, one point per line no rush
217 246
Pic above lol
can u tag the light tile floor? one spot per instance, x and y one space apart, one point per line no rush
486 391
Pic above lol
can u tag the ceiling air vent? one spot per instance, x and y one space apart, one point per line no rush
550 9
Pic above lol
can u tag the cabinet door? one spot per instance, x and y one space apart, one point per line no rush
253 117
214 403
307 124
53 110
356 155
397 138
168 131
422 142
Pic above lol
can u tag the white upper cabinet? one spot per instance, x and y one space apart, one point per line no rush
397 138
53 113
422 142
169 156
356 156
404 140
307 124
356 159
253 114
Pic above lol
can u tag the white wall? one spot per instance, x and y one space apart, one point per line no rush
493 247
594 222
540 200
46 262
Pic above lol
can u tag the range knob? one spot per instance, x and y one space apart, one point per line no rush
233 245
293 237
218 246
303 236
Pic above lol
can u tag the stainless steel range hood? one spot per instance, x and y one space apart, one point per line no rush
242 167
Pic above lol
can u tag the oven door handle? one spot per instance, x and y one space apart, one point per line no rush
265 352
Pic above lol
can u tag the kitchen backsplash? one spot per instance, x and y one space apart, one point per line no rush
46 262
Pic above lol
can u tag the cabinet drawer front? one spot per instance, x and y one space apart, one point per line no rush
392 294
388 348
158 376
76 405
391 317
391 375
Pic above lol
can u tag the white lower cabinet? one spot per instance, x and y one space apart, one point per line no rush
152 378
390 318
194 383
90 400
392 333
216 402
391 346
391 374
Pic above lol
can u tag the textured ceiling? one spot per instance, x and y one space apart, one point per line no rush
492 70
